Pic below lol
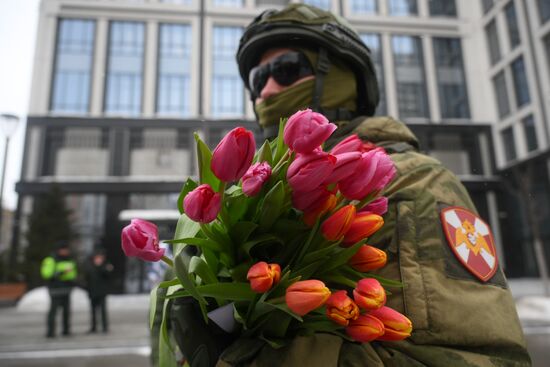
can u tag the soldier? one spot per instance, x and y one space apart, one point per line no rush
455 292
59 270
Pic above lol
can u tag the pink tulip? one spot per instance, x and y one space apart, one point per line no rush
140 239
374 172
309 200
307 130
233 155
350 144
255 177
378 206
309 170
346 164
202 204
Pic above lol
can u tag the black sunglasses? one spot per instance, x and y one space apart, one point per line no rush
285 69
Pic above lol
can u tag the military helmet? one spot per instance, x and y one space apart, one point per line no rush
307 26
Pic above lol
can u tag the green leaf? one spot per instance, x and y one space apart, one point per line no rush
189 284
169 283
199 267
228 291
352 273
204 156
184 229
264 153
280 144
307 271
189 186
199 242
236 206
341 257
153 305
319 254
211 259
283 307
166 351
262 240
241 231
340 279
272 206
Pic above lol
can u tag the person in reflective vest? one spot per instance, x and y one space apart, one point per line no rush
59 270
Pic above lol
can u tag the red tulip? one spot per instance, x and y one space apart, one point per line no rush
346 164
202 204
374 172
255 177
378 206
306 295
369 294
140 239
336 226
363 225
398 326
350 144
326 205
308 171
233 155
365 329
263 276
306 130
368 258
341 309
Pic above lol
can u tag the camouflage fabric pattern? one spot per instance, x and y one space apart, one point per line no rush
457 319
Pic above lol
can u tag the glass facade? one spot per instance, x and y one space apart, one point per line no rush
322 4
181 2
73 66
412 96
511 19
227 97
124 86
445 8
521 87
530 133
544 10
503 104
402 7
451 81
509 144
174 69
364 6
487 5
492 42
228 3
373 42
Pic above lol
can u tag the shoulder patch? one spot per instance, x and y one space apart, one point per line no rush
471 241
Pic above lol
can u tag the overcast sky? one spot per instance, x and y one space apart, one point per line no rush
18 20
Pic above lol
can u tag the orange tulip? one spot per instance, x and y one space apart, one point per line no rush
365 329
368 258
263 276
398 327
327 205
336 226
369 294
364 225
341 309
306 295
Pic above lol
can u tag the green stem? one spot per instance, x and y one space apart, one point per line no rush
167 261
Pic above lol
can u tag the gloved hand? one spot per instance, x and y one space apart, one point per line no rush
200 343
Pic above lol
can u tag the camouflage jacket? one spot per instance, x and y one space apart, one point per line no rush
458 320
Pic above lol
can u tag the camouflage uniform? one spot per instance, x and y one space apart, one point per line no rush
457 319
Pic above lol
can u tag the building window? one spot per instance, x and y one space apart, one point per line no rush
412 96
451 82
228 3
364 6
125 69
521 87
444 8
492 41
402 7
513 30
499 83
544 10
321 4
181 2
487 5
509 144
373 42
530 133
227 89
174 58
73 66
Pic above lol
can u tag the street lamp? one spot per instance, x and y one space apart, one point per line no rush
8 125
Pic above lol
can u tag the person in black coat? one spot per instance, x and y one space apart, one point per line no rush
98 272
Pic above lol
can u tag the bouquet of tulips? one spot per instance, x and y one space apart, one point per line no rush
281 235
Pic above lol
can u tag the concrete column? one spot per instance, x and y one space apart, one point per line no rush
150 70
100 66
431 79
389 72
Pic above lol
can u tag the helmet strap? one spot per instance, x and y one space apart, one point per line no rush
323 66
